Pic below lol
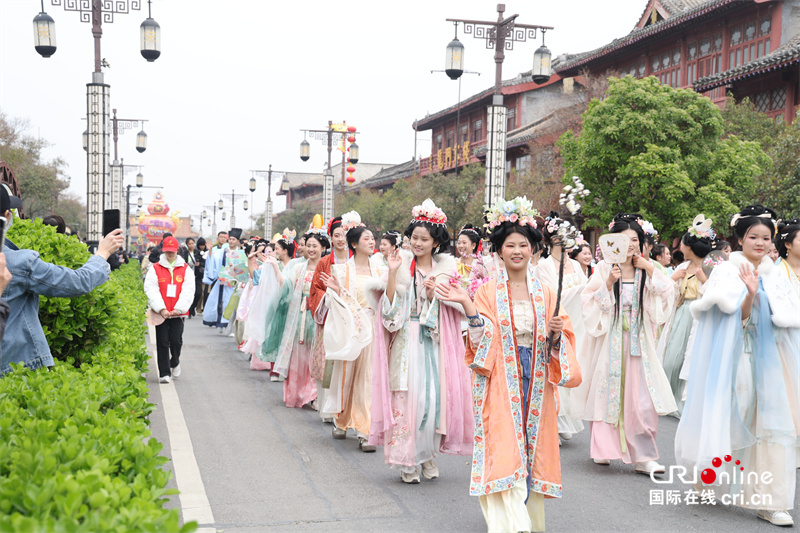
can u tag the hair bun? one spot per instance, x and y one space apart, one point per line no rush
757 210
786 223
627 217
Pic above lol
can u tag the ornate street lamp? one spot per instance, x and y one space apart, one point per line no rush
85 140
139 202
541 64
141 141
220 205
44 33
150 37
305 150
252 184
223 215
245 205
139 179
354 153
205 213
454 61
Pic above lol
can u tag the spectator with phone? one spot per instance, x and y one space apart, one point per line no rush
169 287
24 340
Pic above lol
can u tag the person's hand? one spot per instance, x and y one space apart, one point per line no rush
430 285
261 257
5 275
110 244
613 276
750 279
175 313
395 260
642 263
449 293
331 282
679 274
555 325
164 313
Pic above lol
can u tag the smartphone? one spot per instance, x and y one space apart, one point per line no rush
110 221
3 226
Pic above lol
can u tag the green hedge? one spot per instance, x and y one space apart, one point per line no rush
75 452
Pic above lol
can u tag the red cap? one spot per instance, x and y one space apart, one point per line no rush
170 244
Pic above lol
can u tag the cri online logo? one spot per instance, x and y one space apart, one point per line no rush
709 475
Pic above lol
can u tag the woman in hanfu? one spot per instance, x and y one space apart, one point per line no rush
293 360
470 253
574 280
334 264
741 401
517 376
264 338
390 241
421 400
351 381
688 279
625 387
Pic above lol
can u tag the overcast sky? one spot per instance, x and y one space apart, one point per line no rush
238 79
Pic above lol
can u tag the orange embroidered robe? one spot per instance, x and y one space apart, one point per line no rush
505 441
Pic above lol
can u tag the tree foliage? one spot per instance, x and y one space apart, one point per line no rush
778 186
662 152
41 182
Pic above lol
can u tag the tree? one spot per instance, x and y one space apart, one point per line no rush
779 186
648 148
74 212
41 182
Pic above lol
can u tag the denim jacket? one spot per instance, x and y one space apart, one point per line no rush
24 340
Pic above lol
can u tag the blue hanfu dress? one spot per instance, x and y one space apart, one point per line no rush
220 295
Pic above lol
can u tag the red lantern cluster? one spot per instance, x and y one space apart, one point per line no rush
350 169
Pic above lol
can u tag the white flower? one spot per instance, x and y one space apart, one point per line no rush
567 188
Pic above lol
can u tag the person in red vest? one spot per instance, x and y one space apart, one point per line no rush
170 287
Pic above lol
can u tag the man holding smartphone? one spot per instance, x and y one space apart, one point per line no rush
24 340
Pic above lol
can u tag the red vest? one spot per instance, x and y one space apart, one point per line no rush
164 279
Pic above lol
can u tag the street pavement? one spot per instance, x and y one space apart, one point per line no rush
265 467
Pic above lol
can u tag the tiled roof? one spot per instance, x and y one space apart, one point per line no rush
694 9
785 54
295 180
390 175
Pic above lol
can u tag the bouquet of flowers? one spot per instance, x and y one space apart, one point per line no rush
470 285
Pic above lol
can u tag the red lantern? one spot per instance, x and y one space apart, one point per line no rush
351 169
351 129
351 139
351 179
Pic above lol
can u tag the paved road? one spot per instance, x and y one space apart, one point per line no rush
265 467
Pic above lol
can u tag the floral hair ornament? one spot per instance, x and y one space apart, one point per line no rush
571 195
648 228
517 211
318 226
428 212
701 228
563 231
351 220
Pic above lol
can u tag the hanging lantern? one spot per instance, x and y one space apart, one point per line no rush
454 60
139 179
141 141
252 184
150 38
85 140
208 222
139 202
351 179
205 213
223 215
354 153
541 65
351 169
351 139
220 204
352 129
245 205
44 34
305 150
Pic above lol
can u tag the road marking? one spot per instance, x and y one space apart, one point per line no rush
193 498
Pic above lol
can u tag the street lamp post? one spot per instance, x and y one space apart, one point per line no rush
268 207
234 197
499 35
117 170
213 208
341 131
98 93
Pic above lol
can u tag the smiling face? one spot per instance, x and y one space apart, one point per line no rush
313 249
756 243
366 244
516 252
633 247
339 240
584 257
301 248
665 258
233 242
464 246
421 242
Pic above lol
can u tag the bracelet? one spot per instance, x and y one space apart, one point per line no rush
475 321
557 345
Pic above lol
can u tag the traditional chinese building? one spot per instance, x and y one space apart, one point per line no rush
458 133
750 48
308 186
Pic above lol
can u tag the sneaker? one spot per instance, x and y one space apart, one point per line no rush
327 420
412 478
365 446
429 470
338 434
220 331
565 435
314 405
649 467
776 518
603 462
231 335
163 379
176 371
274 377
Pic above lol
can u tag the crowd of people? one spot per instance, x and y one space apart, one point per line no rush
503 352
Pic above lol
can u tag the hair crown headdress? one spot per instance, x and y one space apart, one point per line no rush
517 211
428 212
351 220
701 228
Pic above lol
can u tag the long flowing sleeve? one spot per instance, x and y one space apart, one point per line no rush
598 302
483 347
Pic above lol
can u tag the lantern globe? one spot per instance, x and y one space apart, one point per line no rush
141 142
354 153
252 184
150 39
454 59
44 34
305 150
541 65
139 180
246 205
139 202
